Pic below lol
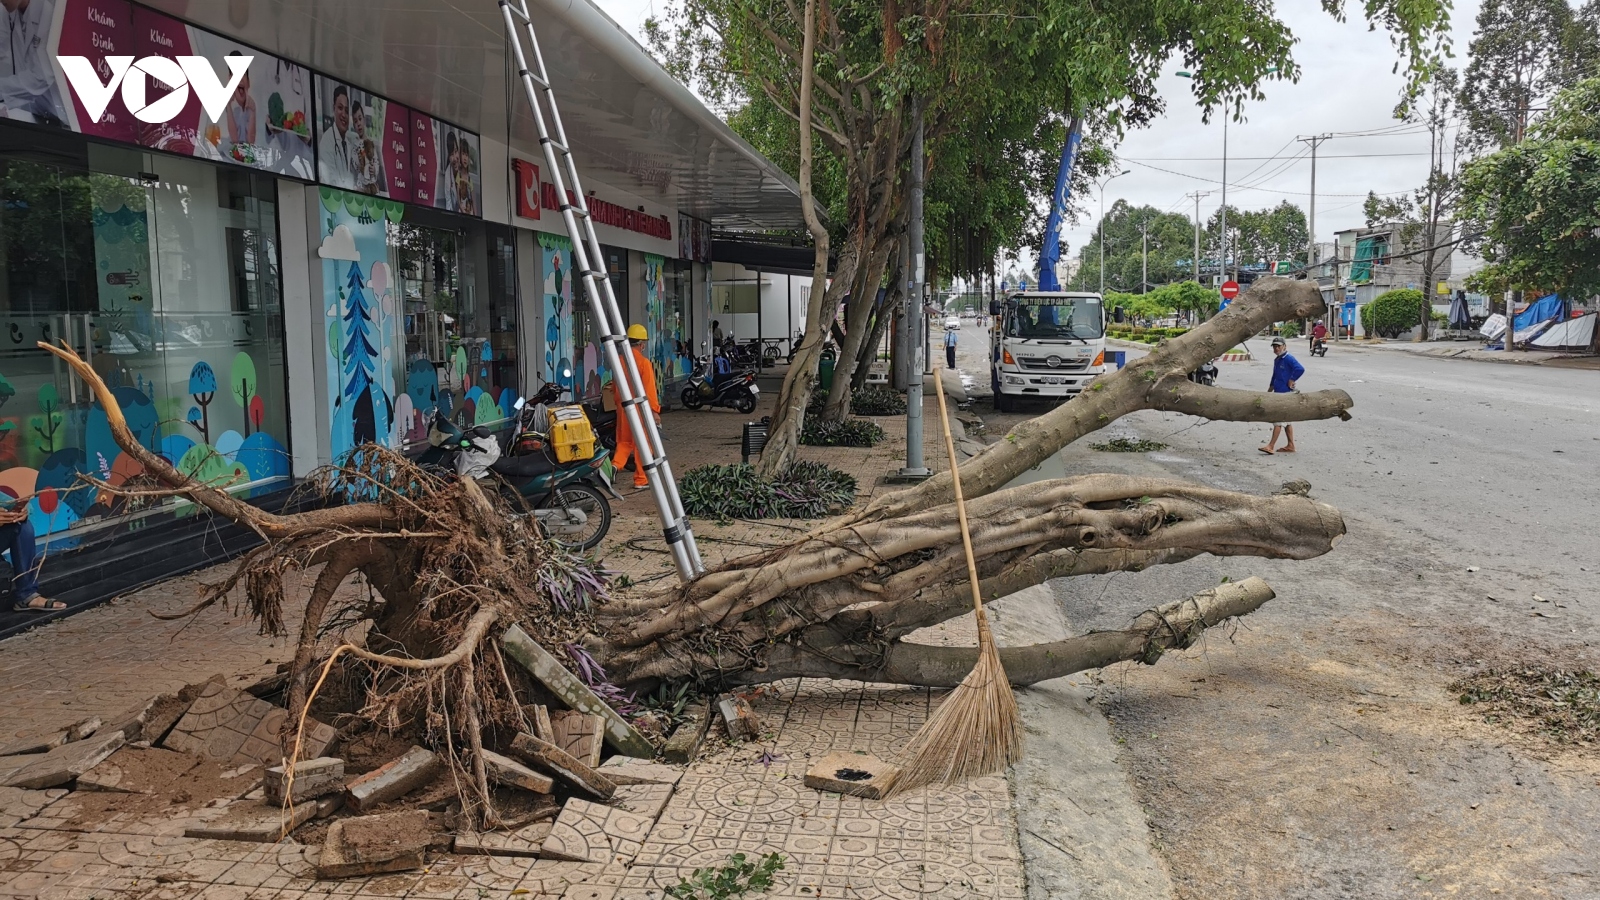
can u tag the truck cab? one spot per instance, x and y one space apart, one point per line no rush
1045 345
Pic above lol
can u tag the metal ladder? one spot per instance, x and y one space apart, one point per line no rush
590 262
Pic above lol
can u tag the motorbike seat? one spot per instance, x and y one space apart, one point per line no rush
530 465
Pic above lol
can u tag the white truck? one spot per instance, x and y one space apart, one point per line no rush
1045 345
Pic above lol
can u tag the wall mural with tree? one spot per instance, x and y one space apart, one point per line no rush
365 344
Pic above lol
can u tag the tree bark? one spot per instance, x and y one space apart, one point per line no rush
783 437
858 325
1152 382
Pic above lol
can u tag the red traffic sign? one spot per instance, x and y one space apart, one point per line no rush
1230 290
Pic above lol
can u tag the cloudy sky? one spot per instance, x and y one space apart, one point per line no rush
1346 88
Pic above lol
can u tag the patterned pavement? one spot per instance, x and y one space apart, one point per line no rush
945 843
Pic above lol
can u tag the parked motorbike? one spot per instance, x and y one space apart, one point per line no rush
737 390
604 423
566 499
1319 347
1206 374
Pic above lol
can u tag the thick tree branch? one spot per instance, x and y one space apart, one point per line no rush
1111 397
1178 394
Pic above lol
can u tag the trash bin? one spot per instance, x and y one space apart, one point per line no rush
825 370
1118 358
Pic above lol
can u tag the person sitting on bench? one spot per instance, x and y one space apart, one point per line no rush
16 535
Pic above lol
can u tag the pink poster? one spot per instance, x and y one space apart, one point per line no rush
157 35
96 29
397 155
424 160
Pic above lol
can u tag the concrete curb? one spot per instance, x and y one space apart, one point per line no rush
1081 830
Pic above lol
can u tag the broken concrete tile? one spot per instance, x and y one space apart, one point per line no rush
372 845
573 692
415 768
313 778
64 763
738 717
137 770
590 832
628 770
77 731
232 726
644 799
539 715
152 720
525 841
684 744
327 806
18 805
553 759
257 821
580 734
856 774
511 773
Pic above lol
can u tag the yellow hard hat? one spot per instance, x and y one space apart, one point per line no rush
638 333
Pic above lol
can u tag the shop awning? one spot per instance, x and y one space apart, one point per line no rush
631 124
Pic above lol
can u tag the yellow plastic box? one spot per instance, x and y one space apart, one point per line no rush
571 434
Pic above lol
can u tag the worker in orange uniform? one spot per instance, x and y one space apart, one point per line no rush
637 335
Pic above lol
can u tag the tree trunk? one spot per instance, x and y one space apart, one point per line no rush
881 318
858 319
783 437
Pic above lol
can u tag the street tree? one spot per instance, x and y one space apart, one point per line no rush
1261 236
1522 52
451 568
880 67
1534 208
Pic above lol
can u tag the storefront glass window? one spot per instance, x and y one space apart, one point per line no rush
163 272
586 330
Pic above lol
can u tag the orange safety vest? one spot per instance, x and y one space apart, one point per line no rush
647 374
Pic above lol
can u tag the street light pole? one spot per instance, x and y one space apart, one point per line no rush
1225 197
1103 184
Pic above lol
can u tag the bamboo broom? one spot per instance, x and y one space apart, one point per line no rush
977 730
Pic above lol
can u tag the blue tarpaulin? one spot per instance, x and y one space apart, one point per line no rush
1542 310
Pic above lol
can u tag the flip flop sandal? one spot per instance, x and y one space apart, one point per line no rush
49 606
1266 451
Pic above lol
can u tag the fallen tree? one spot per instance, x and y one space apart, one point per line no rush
452 568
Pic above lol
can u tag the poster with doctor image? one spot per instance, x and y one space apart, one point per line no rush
265 123
455 170
353 134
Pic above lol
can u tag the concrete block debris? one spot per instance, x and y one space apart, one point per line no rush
553 759
413 769
373 845
313 778
856 774
738 717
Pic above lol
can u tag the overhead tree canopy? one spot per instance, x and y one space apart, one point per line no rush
1522 52
1533 209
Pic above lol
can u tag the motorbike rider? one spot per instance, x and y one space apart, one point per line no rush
1319 333
637 336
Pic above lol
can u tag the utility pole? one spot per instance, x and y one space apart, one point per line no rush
1144 256
1311 226
917 341
1197 195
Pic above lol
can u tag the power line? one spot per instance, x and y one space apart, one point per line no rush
1269 158
1253 188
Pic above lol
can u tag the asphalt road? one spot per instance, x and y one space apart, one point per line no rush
1315 748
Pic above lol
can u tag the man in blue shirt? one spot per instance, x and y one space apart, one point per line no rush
950 339
1286 370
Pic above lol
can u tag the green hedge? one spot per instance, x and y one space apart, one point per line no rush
1392 313
848 433
807 490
